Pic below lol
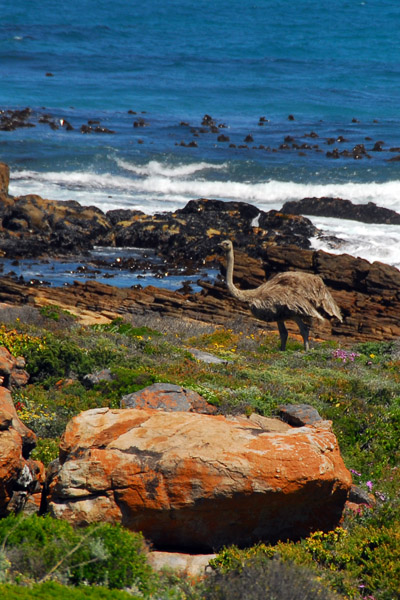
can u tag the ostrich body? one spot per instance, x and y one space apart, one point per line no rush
293 295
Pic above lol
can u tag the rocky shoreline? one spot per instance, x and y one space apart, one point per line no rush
266 243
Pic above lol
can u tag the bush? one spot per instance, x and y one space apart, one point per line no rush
42 548
56 358
52 590
46 450
125 381
261 580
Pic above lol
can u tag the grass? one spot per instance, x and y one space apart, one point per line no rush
357 388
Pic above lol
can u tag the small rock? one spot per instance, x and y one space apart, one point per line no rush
168 397
299 415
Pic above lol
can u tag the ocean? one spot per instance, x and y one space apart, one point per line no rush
261 102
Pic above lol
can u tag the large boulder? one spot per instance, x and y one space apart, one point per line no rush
21 478
198 482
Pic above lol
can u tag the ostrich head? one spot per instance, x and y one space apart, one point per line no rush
226 246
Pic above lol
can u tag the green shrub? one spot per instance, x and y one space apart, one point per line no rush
124 562
366 557
56 358
41 548
120 326
267 579
54 591
55 312
125 381
46 450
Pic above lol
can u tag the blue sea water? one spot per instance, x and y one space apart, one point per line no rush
333 66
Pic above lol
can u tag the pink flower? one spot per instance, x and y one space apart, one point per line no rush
355 472
369 485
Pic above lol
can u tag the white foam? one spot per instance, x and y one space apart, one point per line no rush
364 240
174 184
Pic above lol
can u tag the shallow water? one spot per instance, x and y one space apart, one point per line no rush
105 265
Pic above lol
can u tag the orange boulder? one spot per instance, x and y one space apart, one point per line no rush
20 477
198 482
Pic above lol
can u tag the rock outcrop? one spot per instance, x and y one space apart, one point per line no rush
32 226
197 482
21 478
342 209
193 232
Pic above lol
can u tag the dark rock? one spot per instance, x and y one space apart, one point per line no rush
207 121
122 214
281 225
193 233
86 129
342 209
99 129
33 226
333 154
359 496
299 415
377 147
13 119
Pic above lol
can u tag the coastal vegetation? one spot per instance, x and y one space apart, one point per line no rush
356 386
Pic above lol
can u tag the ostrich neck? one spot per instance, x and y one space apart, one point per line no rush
236 293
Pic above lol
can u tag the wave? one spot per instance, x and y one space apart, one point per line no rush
155 168
159 184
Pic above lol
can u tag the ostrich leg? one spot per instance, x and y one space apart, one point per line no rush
304 331
283 334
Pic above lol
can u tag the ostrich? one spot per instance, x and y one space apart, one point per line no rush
293 295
